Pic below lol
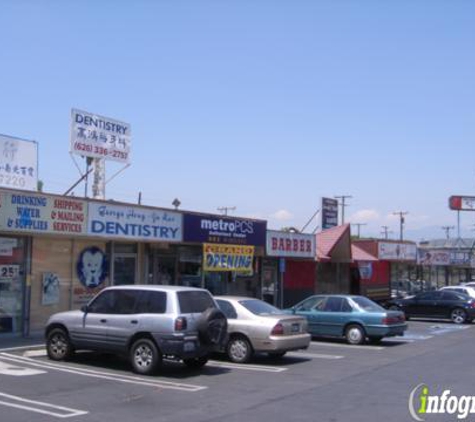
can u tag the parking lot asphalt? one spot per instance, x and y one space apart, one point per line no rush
330 381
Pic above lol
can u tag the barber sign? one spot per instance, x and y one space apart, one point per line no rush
290 245
97 136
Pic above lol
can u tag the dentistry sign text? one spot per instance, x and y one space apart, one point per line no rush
128 222
99 137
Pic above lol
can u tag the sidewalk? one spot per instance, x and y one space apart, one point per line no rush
34 339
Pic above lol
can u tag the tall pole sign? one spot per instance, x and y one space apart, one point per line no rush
100 138
329 213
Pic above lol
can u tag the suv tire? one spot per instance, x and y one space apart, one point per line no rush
212 327
145 357
58 345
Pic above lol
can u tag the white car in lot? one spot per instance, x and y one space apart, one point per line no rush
465 289
255 326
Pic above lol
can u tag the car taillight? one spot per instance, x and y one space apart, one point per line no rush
392 320
473 304
278 330
180 324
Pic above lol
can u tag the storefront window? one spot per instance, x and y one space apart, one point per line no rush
124 263
189 267
12 261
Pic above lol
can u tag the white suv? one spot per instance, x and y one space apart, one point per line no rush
147 323
467 290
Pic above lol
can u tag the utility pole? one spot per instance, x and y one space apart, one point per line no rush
447 230
343 205
358 225
225 210
401 222
386 231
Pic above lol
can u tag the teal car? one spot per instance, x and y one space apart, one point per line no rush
355 318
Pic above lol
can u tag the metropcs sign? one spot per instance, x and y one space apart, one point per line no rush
290 245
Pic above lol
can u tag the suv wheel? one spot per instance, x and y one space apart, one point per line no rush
144 356
196 363
239 349
58 345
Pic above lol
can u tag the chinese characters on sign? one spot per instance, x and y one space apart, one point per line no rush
397 251
99 137
18 163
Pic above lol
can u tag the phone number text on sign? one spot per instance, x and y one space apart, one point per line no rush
100 152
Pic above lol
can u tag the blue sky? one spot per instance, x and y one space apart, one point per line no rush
262 105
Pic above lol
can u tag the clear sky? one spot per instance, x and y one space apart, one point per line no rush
262 105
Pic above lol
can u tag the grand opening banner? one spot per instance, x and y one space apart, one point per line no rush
227 257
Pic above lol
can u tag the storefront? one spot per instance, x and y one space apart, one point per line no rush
334 259
223 253
445 262
288 271
369 277
397 263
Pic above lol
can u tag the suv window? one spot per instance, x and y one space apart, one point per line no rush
152 302
227 308
453 296
114 302
192 302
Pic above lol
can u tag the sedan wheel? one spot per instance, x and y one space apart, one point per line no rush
458 316
239 350
144 356
355 334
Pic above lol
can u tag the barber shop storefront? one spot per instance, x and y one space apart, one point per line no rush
288 271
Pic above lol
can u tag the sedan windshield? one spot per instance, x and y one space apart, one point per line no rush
367 305
258 307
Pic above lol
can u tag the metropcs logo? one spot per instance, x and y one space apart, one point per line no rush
235 226
421 404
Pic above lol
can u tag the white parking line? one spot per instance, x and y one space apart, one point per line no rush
148 382
347 346
314 355
40 407
245 366
31 346
17 371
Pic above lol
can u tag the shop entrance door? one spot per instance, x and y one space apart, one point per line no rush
12 270
125 269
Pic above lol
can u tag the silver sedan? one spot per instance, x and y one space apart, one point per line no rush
256 326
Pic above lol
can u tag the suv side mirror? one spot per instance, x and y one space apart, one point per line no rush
85 309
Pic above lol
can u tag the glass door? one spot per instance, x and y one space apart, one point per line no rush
125 269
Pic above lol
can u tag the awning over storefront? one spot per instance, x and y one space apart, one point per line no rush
334 245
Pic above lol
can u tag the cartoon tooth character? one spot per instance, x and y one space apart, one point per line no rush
92 267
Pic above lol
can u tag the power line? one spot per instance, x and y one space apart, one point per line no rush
225 210
401 215
447 230
343 205
386 231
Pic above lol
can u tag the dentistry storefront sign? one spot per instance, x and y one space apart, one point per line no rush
18 163
227 257
290 245
123 222
221 229
99 137
33 213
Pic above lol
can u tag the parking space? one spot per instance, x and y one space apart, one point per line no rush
93 384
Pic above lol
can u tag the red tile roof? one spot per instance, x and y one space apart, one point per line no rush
327 240
359 254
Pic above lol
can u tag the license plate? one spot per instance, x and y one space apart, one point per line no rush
189 346
295 328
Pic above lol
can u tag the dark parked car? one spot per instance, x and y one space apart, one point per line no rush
458 307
